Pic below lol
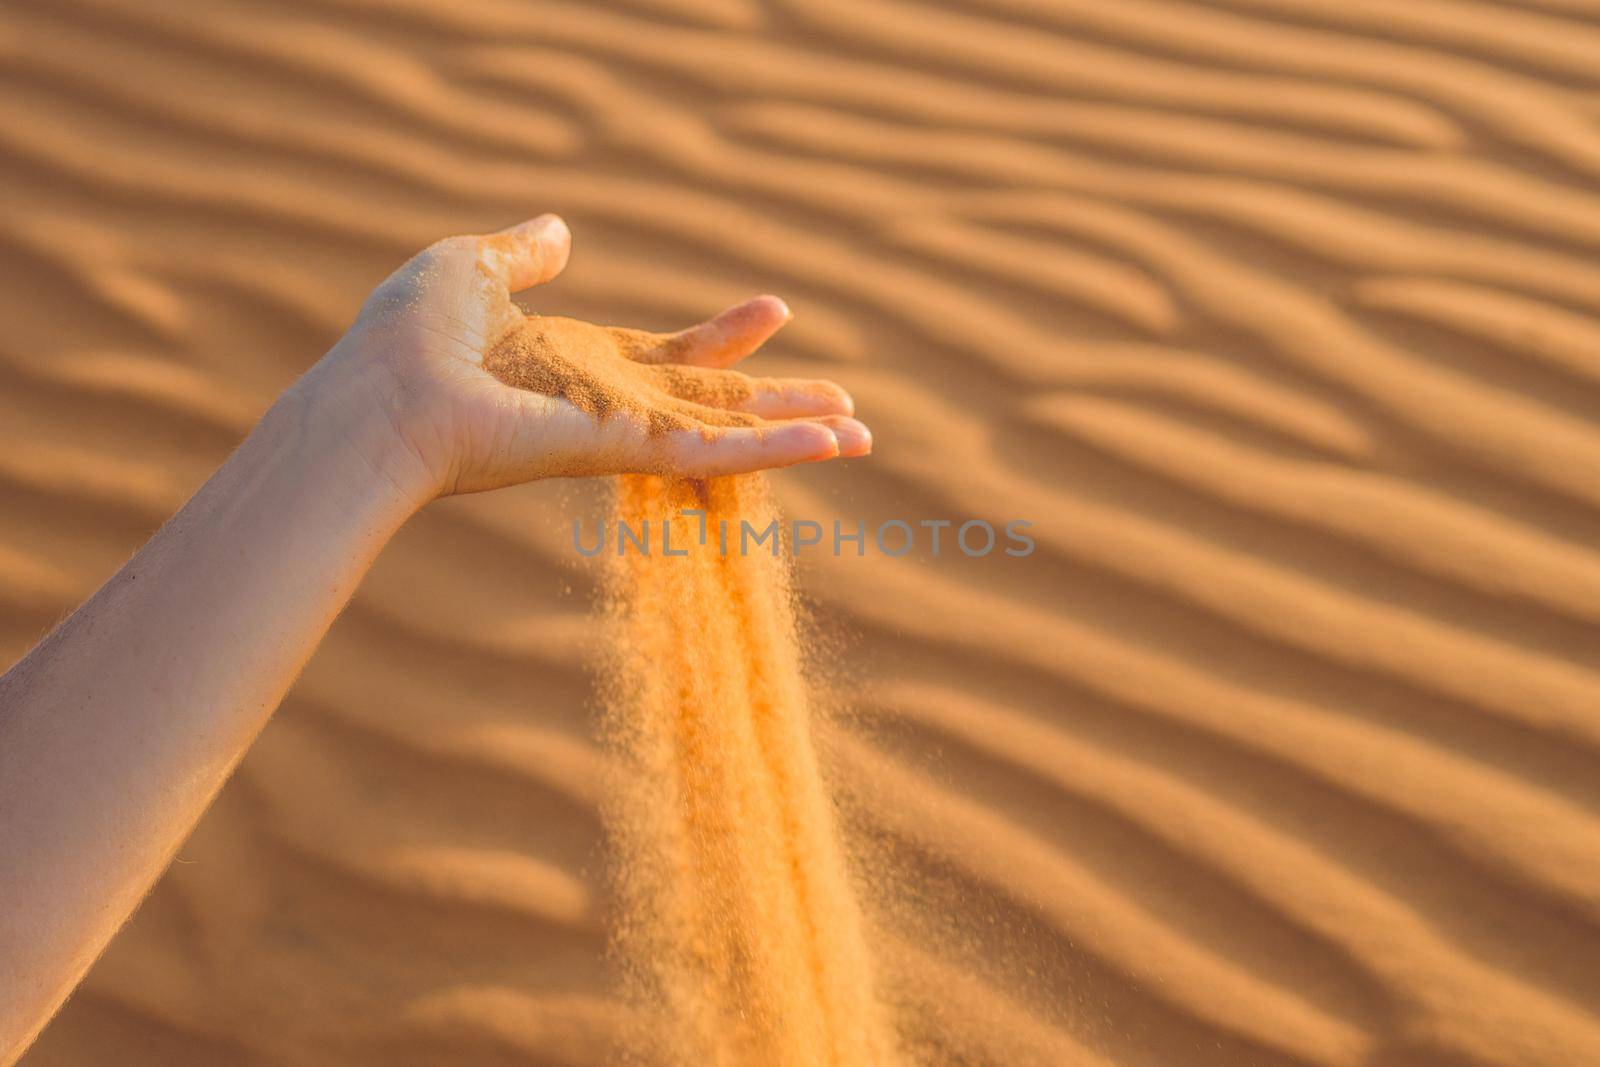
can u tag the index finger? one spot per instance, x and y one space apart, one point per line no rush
724 339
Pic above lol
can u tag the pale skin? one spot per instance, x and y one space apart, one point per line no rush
118 729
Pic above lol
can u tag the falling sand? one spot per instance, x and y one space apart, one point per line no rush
1280 319
739 926
740 923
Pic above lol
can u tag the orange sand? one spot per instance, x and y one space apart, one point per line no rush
1279 319
740 921
596 369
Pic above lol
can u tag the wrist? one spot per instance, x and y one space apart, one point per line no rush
345 426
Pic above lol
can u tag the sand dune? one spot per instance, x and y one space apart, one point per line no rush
1279 319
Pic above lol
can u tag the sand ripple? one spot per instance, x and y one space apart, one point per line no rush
1280 319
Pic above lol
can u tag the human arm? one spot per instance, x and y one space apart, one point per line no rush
120 727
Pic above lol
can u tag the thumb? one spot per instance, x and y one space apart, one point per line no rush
528 253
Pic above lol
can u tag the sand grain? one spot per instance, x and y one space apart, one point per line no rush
1276 317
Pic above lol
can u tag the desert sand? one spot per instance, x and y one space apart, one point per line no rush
1278 319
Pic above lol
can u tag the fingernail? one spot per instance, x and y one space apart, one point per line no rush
854 438
556 239
783 306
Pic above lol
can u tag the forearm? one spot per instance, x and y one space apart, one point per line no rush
117 731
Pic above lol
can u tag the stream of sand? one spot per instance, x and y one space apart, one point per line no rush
739 918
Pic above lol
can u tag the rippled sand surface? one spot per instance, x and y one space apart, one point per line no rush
1279 319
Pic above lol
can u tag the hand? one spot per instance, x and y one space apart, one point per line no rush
417 355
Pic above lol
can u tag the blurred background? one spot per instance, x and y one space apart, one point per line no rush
1278 319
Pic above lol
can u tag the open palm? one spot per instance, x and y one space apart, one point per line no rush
423 345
